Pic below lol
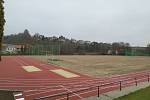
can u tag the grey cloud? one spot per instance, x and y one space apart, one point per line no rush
95 20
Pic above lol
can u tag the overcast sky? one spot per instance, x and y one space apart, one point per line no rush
94 20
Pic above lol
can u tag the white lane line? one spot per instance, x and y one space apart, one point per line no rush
44 92
71 92
19 62
19 58
75 95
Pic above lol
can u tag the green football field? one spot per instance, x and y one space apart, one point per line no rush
143 94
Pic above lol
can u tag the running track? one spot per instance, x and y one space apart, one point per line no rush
46 83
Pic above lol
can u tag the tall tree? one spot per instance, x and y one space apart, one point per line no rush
2 22
148 45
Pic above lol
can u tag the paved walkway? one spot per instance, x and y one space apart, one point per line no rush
117 93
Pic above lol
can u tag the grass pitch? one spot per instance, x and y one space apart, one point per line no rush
138 95
96 65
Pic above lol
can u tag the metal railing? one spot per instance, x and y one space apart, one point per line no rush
133 81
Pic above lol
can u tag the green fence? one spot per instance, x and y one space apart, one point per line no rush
137 52
43 50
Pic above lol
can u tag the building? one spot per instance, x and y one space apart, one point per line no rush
12 49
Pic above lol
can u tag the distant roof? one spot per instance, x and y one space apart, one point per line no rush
16 46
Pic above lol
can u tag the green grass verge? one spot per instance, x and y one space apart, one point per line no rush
143 94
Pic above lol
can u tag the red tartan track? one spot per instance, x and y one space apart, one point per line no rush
46 83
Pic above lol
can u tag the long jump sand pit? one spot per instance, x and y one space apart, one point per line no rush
64 73
31 68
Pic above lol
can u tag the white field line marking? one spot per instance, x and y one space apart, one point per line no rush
122 74
72 92
44 92
47 79
110 79
40 89
129 74
43 87
94 80
67 84
88 91
123 78
126 76
133 74
92 91
20 99
81 78
78 93
20 94
40 65
17 96
19 58
55 81
81 85
38 84
46 67
19 62
109 87
76 87
92 83
24 86
14 82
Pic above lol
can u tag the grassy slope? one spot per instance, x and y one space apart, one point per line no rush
143 94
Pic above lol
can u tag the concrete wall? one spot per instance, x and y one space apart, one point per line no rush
5 95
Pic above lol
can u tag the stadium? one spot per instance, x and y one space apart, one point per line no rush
75 50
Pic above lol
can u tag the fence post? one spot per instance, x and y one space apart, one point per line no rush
120 85
135 81
98 91
67 96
